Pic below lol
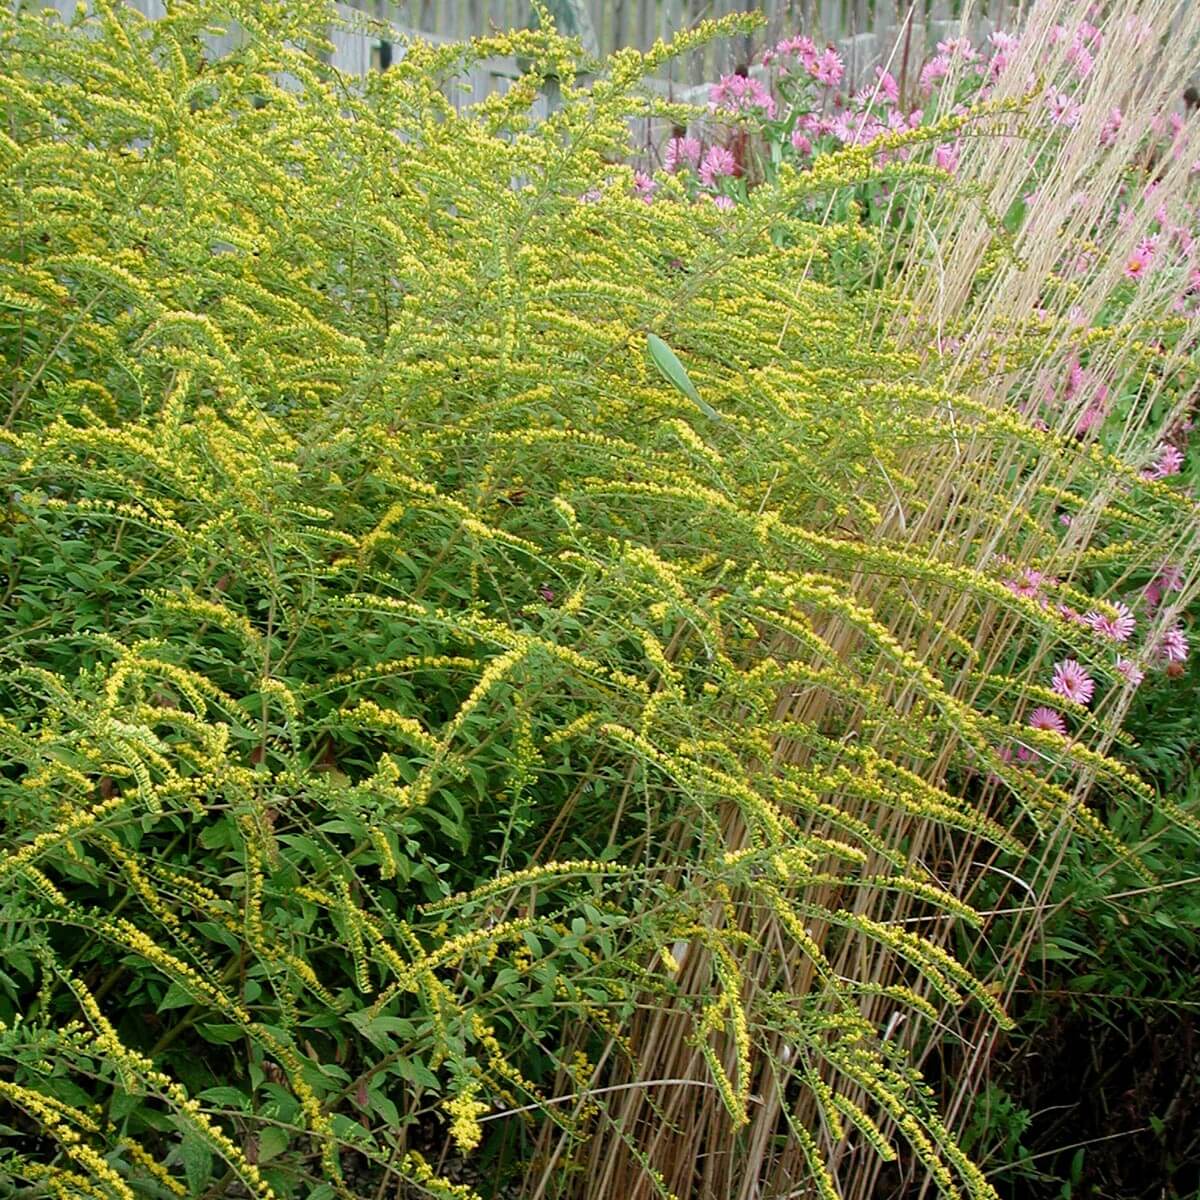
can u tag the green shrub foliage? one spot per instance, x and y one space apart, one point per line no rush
411 691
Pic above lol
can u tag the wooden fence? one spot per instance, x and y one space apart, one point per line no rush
865 31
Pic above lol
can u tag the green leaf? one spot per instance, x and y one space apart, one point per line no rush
672 370
176 997
122 1104
226 1097
197 1162
220 1034
378 1030
271 1142
352 1131
384 1107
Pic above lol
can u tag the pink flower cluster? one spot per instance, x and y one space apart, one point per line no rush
1004 46
740 93
717 162
1083 43
681 153
801 47
1169 462
1070 679
684 153
826 66
800 95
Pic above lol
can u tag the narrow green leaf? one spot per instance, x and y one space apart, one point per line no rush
672 370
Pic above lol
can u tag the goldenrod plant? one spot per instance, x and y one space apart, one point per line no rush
509 687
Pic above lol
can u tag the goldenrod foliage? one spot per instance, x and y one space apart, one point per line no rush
406 689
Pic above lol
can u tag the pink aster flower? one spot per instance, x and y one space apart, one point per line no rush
724 203
997 65
845 127
644 185
1172 645
1119 628
1136 266
829 68
1081 58
1170 578
934 71
718 161
1047 718
1072 682
1169 462
1131 671
759 97
946 157
800 142
726 92
887 86
682 152
1028 584
1063 110
868 130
